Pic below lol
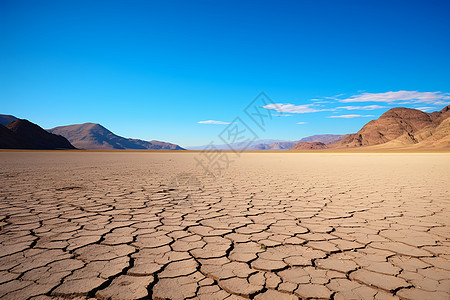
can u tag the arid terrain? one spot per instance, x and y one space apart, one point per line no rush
130 225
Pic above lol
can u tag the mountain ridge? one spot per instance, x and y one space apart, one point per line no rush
93 136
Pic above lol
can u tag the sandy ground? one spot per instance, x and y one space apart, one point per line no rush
114 225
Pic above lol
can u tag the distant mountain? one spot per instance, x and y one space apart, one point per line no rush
272 145
402 126
255 145
96 137
6 119
22 134
323 138
309 146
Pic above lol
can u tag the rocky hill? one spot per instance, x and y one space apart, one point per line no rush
22 134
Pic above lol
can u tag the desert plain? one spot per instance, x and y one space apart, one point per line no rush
149 225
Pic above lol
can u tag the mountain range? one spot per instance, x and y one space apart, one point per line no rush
397 128
323 138
22 134
237 146
94 136
271 144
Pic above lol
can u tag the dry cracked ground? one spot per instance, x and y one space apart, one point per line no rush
273 226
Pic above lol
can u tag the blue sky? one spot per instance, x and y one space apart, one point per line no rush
154 69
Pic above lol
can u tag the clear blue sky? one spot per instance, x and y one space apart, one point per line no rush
154 69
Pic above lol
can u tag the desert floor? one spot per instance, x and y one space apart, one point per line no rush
271 226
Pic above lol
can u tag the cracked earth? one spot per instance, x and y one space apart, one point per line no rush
273 226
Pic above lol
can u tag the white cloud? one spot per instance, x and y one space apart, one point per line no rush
302 123
367 107
351 116
318 101
282 115
325 100
213 122
295 109
426 108
405 97
335 97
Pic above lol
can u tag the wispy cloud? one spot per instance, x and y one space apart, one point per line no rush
213 122
390 99
282 115
335 97
324 100
295 109
351 116
367 107
426 108
319 101
302 123
405 97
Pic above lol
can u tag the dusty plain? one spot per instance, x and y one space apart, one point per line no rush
132 225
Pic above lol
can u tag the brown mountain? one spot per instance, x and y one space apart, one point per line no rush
401 126
22 134
309 146
95 136
436 135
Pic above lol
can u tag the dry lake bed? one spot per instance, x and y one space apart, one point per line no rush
128 225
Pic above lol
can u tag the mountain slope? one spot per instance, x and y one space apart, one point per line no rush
436 135
95 136
6 119
9 140
439 137
22 134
